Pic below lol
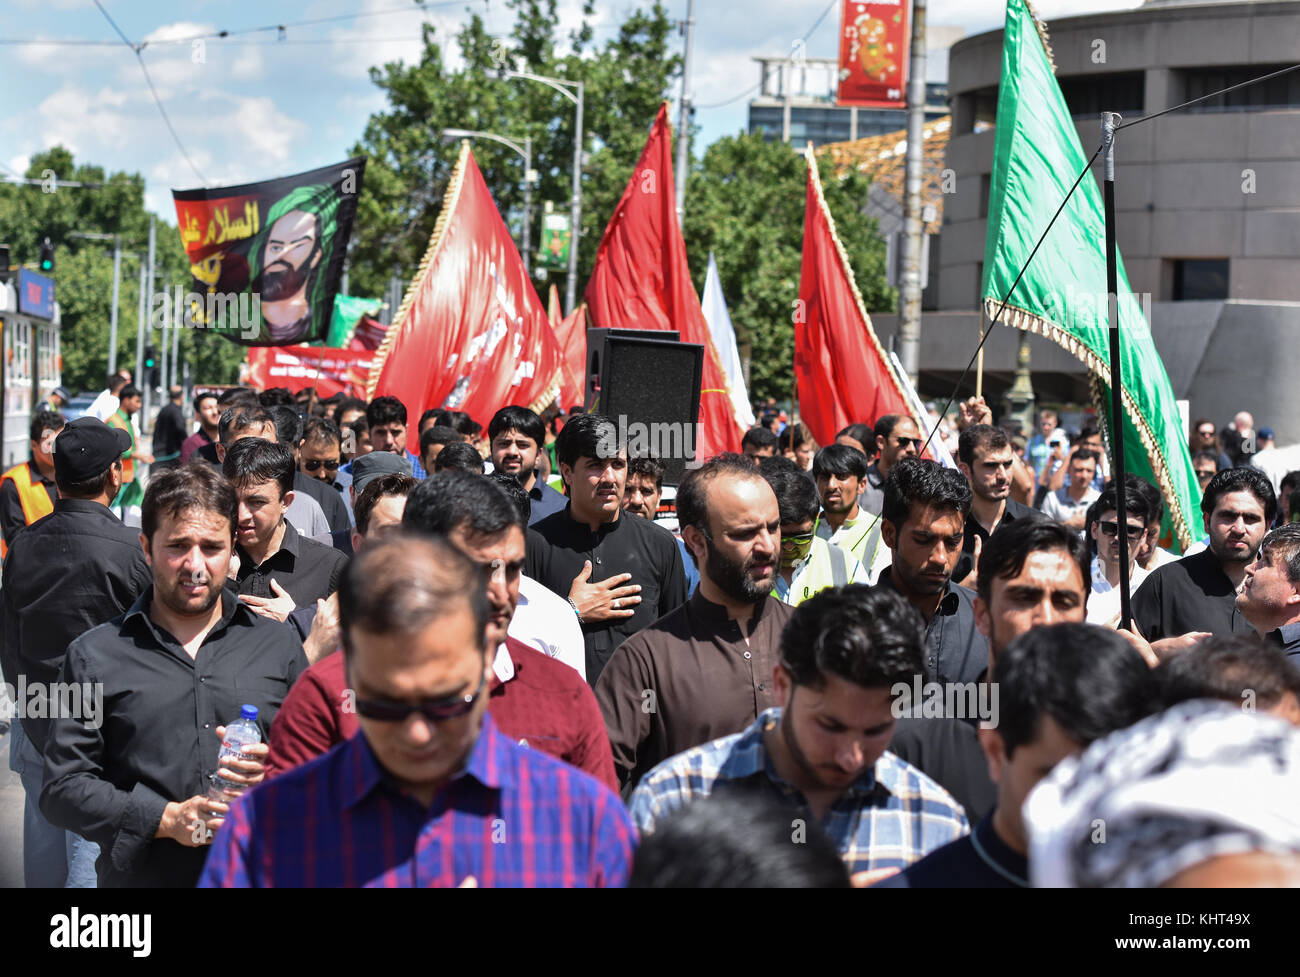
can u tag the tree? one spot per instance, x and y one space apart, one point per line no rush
84 268
410 163
745 203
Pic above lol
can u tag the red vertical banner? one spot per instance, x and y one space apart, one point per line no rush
874 41
843 372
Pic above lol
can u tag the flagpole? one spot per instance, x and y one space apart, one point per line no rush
979 358
1109 122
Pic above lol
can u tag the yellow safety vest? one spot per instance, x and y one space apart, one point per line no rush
34 497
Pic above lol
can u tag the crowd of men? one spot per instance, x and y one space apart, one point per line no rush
505 659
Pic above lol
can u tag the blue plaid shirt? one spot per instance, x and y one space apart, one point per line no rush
514 818
892 816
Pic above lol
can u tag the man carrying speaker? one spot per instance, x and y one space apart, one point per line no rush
619 573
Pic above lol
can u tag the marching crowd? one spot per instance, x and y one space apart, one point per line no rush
510 660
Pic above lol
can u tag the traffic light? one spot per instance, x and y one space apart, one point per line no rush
150 366
47 257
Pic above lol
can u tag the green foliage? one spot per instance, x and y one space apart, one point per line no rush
410 163
745 203
84 268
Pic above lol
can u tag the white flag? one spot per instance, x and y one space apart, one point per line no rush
724 340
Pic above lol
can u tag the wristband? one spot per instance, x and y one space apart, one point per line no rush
575 609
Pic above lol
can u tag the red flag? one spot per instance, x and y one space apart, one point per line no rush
471 333
299 367
843 373
641 281
571 336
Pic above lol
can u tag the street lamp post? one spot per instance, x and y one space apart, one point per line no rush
117 282
573 91
526 151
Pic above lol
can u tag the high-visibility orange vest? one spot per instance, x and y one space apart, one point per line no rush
128 463
33 496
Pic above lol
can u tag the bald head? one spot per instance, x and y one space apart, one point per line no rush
400 585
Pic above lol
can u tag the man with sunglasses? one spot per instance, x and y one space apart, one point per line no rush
432 793
809 564
1103 602
896 437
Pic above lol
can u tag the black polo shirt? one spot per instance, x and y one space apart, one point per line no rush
981 860
75 569
955 651
626 545
155 739
308 570
948 751
1191 594
1287 637
1014 510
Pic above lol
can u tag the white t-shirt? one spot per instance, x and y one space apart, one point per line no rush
1103 602
545 621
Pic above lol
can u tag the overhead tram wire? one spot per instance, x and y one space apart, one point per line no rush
750 91
136 49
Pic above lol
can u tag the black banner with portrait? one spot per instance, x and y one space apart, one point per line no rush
266 258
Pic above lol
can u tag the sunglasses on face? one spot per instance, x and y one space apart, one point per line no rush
1206 432
313 464
914 442
434 710
792 542
1112 529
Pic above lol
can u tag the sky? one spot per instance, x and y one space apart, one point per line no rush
250 106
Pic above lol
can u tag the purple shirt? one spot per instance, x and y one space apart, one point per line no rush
514 818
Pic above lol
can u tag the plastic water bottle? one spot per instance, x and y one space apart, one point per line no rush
240 733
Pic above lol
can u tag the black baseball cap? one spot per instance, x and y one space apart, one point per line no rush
86 448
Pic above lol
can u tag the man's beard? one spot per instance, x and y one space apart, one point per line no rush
280 280
733 578
178 605
987 492
1217 549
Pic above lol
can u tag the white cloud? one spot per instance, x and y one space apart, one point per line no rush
369 41
83 120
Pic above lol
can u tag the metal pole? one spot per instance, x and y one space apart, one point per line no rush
141 319
575 212
1109 120
162 349
177 324
140 380
112 319
909 294
528 203
684 119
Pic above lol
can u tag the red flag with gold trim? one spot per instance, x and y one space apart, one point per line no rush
641 281
471 333
843 374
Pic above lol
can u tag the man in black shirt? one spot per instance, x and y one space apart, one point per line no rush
924 510
1270 596
1198 594
43 614
896 437
173 670
620 574
1060 688
169 432
985 457
1033 573
278 569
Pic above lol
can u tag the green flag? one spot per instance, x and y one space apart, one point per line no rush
1062 295
348 310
